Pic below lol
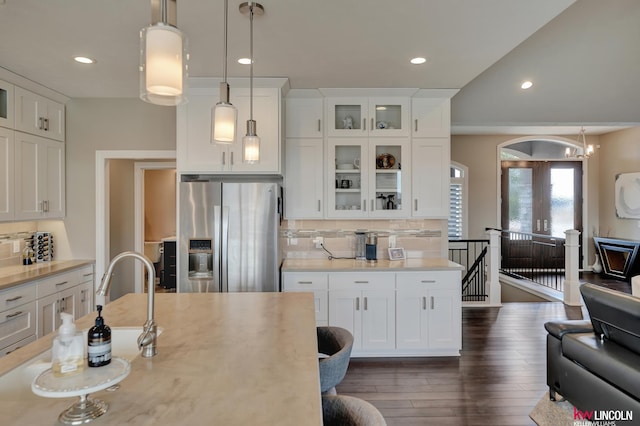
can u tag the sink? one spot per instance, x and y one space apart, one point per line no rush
16 384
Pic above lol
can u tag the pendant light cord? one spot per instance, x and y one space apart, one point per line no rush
226 13
251 56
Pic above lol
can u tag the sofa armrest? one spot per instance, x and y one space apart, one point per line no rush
559 328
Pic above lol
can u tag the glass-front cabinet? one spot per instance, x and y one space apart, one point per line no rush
368 116
368 178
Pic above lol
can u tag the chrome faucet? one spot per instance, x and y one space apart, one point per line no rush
148 339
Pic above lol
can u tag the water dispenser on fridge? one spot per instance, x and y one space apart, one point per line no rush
200 259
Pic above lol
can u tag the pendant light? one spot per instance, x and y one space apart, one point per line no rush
251 142
163 60
224 115
587 150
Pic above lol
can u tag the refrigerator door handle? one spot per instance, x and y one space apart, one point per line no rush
216 249
224 250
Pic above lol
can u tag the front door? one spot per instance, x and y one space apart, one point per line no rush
540 201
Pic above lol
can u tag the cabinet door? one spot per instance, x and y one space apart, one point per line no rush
29 191
6 104
388 160
378 319
389 116
17 323
304 179
83 299
411 311
445 319
431 117
38 115
430 178
345 310
314 282
347 117
55 125
304 118
55 179
48 314
68 301
6 174
347 178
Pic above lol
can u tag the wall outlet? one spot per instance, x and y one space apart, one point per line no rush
319 241
392 241
16 246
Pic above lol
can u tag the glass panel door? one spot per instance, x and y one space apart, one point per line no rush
347 188
389 189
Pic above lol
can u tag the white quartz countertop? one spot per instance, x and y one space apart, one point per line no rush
346 265
223 358
15 275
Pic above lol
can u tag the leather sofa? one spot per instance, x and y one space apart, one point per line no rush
595 364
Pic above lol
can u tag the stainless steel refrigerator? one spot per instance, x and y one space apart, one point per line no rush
229 233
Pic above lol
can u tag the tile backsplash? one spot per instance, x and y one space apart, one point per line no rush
419 238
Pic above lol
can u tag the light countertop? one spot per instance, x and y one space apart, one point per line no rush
15 275
223 358
351 265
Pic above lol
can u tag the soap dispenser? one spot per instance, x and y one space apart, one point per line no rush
67 355
99 342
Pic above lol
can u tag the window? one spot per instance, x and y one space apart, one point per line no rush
457 202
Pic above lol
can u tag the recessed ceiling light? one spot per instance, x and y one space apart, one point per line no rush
526 85
84 60
418 61
244 61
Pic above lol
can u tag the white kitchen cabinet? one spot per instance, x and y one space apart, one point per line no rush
312 282
196 153
430 158
429 312
304 115
6 104
364 304
374 116
304 178
17 316
6 174
368 178
38 115
431 117
39 177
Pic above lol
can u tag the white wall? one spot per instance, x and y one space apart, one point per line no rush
105 124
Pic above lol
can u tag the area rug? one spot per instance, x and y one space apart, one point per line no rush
558 413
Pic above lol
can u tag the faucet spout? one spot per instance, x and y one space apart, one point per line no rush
148 339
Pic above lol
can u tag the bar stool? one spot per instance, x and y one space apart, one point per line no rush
336 344
343 410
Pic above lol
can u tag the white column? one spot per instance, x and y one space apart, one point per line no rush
571 261
493 272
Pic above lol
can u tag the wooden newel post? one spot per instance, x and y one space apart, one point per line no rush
571 262
493 272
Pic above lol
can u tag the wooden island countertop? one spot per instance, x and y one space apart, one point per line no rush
223 358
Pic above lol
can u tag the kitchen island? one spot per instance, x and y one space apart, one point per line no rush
223 358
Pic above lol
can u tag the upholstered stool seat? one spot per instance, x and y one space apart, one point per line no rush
336 343
343 410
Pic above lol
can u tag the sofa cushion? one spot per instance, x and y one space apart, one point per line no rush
607 360
614 315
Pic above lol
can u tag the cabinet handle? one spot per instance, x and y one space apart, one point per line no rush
415 205
13 299
372 124
319 206
428 281
46 206
305 282
364 124
364 205
40 126
46 124
361 282
319 125
13 350
41 206
372 205
14 315
88 275
365 303
424 303
416 125
432 302
224 158
357 303
62 283
231 158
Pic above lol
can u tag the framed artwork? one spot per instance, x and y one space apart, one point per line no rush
627 195
396 253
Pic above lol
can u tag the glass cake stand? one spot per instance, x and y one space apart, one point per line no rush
90 380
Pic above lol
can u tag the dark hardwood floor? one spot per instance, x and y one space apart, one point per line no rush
498 379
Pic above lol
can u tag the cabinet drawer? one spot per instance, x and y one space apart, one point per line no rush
363 281
426 280
304 281
56 283
24 342
17 323
17 296
84 274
